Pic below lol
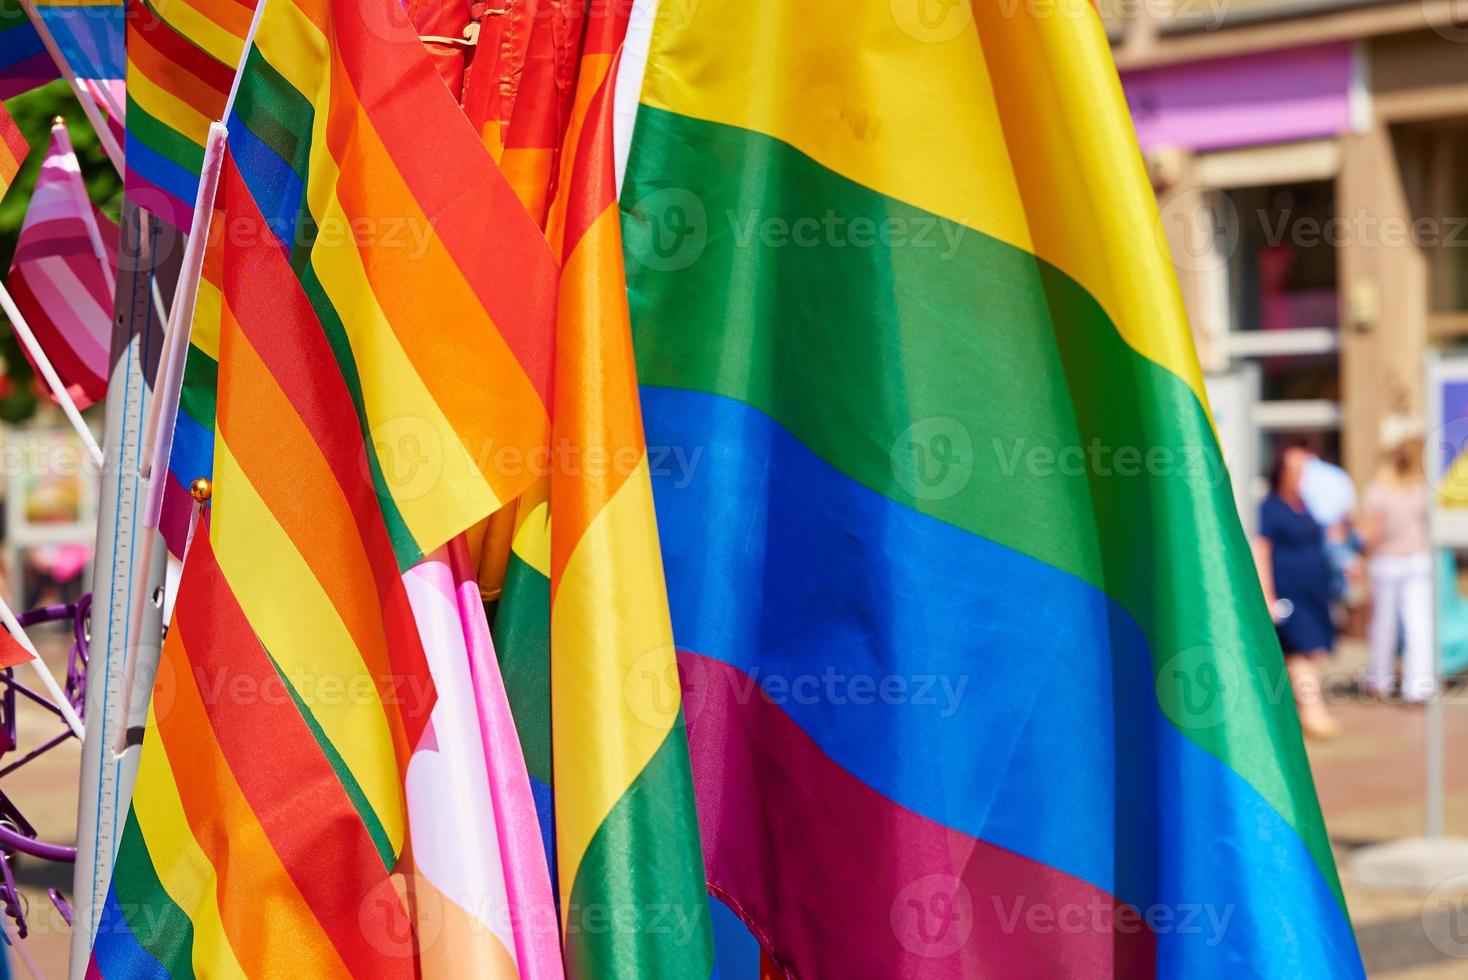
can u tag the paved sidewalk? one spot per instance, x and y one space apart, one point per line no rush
1371 783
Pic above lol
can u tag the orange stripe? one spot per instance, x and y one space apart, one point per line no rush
596 408
172 76
280 457
265 916
231 15
508 412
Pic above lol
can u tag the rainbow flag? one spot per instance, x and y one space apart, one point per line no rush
313 576
181 60
62 274
626 830
24 61
13 149
978 678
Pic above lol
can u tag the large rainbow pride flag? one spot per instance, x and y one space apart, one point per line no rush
971 638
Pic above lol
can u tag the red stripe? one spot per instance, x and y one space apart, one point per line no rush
174 63
498 248
289 784
280 324
593 183
15 148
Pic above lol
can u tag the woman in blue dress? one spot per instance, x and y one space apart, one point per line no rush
1295 570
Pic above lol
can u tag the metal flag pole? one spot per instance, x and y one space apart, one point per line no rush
88 104
106 778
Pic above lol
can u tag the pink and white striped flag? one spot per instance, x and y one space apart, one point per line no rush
64 273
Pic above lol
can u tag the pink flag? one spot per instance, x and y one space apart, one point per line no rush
478 873
63 273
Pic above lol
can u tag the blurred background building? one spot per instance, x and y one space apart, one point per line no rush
1311 161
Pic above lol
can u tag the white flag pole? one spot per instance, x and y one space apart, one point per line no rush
48 373
53 690
88 104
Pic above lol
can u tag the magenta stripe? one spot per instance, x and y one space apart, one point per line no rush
71 306
150 196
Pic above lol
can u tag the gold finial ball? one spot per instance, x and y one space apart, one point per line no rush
201 489
58 120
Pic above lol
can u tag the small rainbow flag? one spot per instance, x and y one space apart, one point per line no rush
89 34
181 60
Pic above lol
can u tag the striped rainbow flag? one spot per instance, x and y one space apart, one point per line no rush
181 60
62 274
626 830
24 61
968 626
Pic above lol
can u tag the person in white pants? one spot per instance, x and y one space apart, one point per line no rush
1394 524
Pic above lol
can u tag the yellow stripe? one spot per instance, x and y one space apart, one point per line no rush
181 866
296 48
208 308
1090 204
614 675
198 28
298 624
532 541
841 81
166 108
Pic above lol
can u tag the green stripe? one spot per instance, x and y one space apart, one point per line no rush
200 388
157 923
163 139
522 642
639 906
277 114
941 346
374 827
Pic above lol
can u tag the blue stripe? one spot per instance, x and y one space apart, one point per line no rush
545 816
276 188
90 38
1022 687
160 171
736 951
192 455
116 949
19 43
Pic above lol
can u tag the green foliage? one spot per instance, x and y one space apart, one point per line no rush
33 113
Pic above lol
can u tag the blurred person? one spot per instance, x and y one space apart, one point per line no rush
1295 572
1330 497
1394 524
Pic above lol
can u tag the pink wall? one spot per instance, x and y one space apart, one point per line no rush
1300 93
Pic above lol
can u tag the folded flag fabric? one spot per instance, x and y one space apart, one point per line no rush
978 678
182 56
63 273
24 61
477 862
